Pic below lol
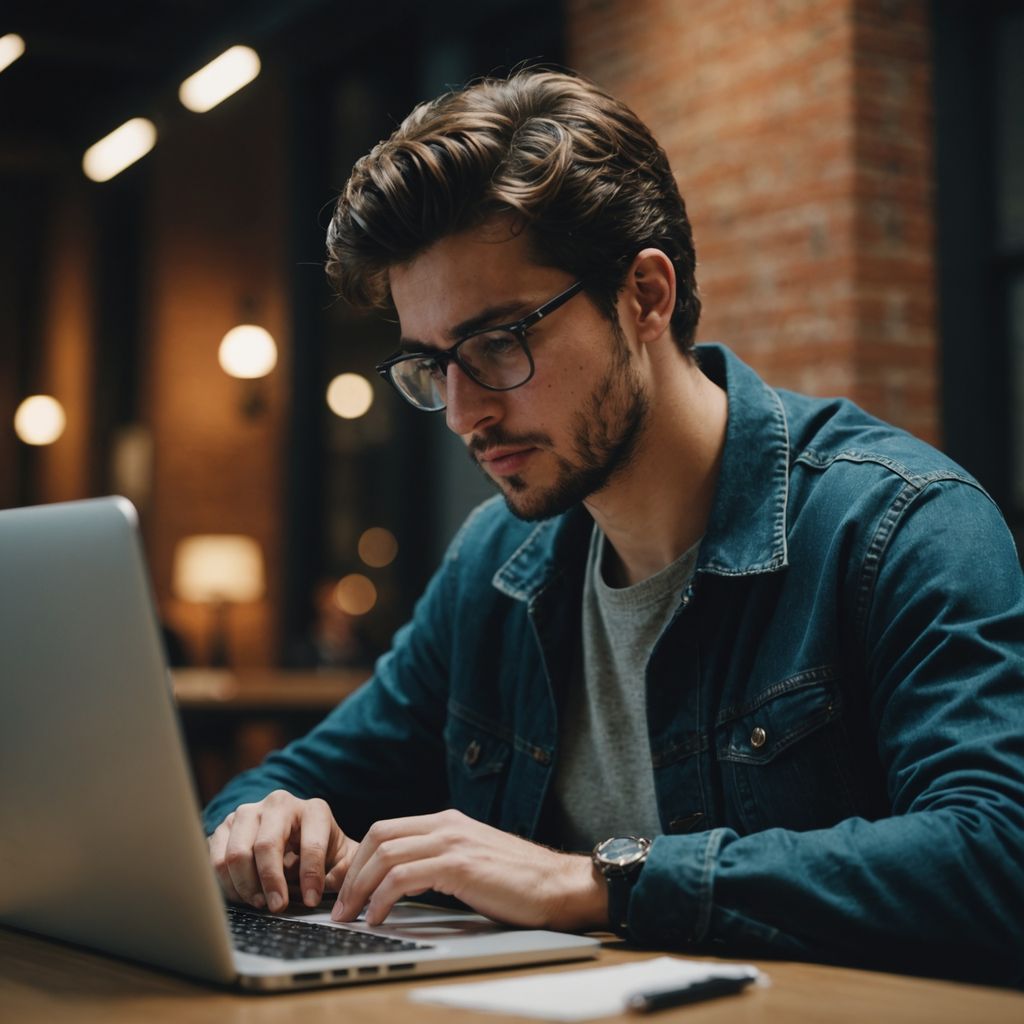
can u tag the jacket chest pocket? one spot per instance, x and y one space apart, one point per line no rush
477 766
784 759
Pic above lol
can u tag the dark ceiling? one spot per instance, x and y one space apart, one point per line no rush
88 67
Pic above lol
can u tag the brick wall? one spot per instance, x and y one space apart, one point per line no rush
218 244
800 134
67 362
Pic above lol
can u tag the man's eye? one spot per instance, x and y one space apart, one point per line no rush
498 344
432 367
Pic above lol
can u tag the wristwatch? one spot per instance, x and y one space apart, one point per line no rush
620 859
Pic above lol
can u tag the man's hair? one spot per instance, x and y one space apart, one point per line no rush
573 167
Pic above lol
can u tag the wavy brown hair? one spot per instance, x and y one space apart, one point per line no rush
575 168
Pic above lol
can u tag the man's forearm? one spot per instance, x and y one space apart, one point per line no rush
938 892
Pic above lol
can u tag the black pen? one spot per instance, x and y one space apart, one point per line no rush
698 991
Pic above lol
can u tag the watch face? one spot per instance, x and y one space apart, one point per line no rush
622 850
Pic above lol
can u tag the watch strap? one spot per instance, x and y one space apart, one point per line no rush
620 888
620 878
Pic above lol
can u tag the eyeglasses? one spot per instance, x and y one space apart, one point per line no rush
496 358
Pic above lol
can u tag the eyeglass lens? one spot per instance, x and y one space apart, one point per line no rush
496 359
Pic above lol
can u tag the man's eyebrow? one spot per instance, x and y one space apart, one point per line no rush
493 316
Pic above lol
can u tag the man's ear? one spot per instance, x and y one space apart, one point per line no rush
650 294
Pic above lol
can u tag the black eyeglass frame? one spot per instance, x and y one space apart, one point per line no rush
445 357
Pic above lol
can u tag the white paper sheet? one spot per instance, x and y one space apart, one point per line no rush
583 994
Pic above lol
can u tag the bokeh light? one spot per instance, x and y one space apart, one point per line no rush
219 79
120 149
12 46
248 352
355 594
349 396
377 547
40 420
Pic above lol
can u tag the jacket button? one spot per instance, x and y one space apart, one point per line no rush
757 737
472 754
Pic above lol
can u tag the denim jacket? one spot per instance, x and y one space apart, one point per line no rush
835 709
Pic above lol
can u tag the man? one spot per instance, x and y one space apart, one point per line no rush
767 646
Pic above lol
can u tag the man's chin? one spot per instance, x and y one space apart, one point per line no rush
532 507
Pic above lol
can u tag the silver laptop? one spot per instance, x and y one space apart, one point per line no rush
100 835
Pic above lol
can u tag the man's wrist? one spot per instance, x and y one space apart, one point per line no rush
620 859
583 903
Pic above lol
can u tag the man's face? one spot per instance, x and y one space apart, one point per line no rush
563 435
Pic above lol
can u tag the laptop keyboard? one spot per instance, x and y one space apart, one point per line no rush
288 939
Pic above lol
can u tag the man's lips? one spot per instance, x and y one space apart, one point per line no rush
505 461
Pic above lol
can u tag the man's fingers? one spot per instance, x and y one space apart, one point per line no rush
218 843
365 880
385 831
407 879
268 852
238 855
276 826
336 876
317 825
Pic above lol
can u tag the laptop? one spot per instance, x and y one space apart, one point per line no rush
100 837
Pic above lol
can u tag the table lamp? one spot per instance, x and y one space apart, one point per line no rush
218 569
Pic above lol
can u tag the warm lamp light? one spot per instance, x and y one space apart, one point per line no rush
39 420
349 395
355 594
218 569
12 46
377 547
120 149
247 352
219 79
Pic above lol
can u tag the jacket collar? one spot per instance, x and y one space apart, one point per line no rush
747 529
746 533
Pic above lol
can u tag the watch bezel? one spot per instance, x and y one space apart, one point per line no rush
624 863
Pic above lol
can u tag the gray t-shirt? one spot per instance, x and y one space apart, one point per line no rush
604 783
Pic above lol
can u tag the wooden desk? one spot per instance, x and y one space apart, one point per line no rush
48 983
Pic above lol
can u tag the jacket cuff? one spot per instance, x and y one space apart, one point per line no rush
672 900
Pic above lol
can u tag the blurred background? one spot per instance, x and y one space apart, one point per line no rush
854 170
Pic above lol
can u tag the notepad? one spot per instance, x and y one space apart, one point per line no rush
581 994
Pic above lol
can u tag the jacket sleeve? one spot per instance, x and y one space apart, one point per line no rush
380 753
938 886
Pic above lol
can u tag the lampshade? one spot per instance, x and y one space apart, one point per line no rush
216 567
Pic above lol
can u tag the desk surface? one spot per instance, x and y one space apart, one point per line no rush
265 689
47 982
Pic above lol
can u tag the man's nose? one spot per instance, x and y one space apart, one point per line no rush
470 406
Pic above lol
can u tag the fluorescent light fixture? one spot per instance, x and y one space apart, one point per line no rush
118 150
11 48
220 78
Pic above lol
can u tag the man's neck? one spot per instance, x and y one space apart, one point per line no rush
658 506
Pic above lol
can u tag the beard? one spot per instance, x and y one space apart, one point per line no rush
606 434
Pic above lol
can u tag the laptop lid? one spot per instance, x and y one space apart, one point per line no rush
99 842
100 835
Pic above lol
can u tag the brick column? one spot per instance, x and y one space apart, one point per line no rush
800 134
216 223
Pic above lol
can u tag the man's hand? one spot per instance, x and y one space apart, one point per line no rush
260 850
497 874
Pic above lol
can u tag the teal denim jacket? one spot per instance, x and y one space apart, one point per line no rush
836 709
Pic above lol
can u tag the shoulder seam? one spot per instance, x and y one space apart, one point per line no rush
810 457
884 531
